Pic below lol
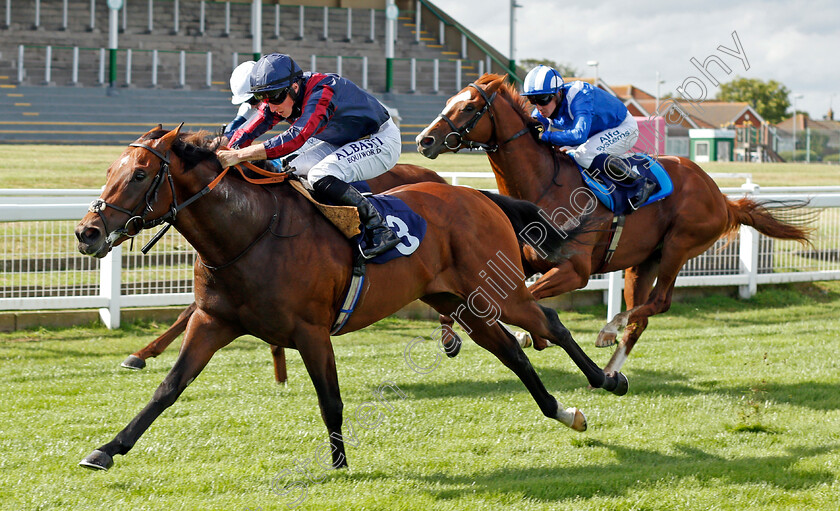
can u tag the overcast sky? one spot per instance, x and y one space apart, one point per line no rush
794 42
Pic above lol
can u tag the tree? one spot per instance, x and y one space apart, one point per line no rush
565 70
769 99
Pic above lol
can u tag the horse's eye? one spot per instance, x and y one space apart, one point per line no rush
469 108
139 175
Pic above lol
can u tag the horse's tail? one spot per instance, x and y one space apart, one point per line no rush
549 241
786 221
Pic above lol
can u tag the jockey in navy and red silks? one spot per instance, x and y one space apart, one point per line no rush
342 133
593 124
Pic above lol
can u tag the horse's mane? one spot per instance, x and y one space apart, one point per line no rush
521 106
509 90
191 147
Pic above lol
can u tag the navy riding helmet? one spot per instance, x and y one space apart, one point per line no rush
274 72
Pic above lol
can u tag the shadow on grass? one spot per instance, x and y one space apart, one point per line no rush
632 468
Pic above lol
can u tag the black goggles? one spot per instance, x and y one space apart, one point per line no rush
275 97
540 99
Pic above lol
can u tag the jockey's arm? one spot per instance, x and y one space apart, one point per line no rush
581 110
228 157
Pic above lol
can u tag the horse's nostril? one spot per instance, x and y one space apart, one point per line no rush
88 235
427 141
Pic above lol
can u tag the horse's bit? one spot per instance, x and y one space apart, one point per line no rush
458 134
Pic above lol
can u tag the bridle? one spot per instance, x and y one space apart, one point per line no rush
458 134
137 222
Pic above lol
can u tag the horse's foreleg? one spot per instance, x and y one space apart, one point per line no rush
638 281
315 349
659 301
137 360
279 357
204 337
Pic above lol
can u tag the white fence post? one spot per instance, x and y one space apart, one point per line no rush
37 23
208 82
372 26
326 35
92 25
413 87
487 63
101 66
312 61
365 72
125 16
154 68
615 285
748 257
338 62
64 11
227 20
458 74
277 21
151 25
20 64
436 76
349 24
441 32
182 70
201 13
417 22
48 66
480 67
128 66
9 13
175 17
110 281
300 22
74 77
463 46
235 60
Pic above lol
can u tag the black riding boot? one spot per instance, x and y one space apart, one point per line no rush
380 237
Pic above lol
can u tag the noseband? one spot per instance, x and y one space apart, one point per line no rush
457 134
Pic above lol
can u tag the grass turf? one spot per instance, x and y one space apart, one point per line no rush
41 166
732 405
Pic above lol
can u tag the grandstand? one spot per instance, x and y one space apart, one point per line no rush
175 56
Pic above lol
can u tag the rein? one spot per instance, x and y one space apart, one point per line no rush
137 223
459 133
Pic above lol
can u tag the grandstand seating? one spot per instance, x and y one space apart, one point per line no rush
83 114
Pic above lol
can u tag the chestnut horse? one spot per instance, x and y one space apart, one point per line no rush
656 240
282 277
401 174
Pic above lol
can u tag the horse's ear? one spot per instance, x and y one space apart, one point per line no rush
494 85
167 140
148 133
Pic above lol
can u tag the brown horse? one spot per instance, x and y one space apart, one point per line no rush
401 174
656 240
282 277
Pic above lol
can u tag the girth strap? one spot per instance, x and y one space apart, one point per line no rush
615 235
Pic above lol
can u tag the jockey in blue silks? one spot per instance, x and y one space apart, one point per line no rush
594 124
342 132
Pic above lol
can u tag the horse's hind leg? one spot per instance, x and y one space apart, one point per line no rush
205 335
279 357
137 360
497 341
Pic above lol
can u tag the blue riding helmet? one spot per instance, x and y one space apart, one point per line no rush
542 80
274 72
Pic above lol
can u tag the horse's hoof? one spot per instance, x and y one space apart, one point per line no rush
623 385
453 347
524 339
579 422
97 460
134 363
605 340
